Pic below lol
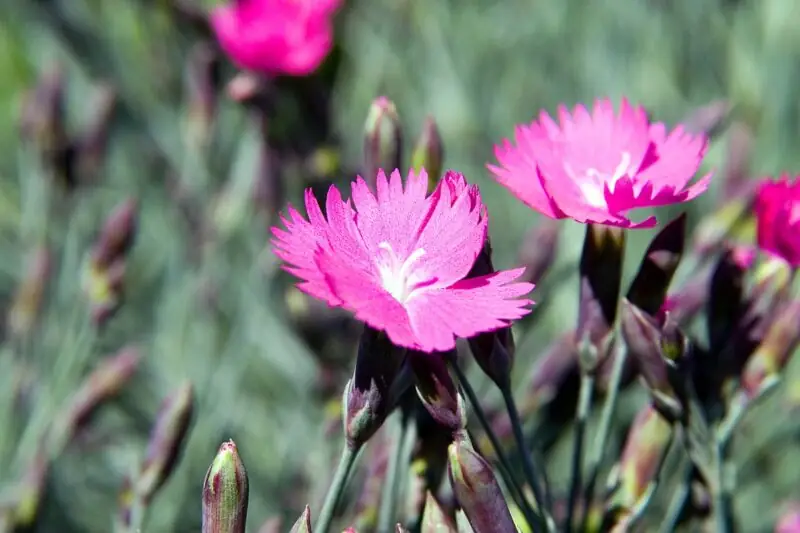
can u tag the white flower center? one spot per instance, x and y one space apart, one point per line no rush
399 277
593 182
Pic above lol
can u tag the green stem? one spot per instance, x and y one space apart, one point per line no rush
581 417
386 511
527 464
346 462
678 502
506 472
607 413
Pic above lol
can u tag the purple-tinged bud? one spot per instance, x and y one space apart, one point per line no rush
202 79
645 342
632 478
708 120
225 492
92 141
539 249
600 280
726 303
42 117
383 139
477 490
434 519
166 441
28 298
303 524
105 382
769 359
492 350
429 153
436 389
370 394
649 287
117 234
735 174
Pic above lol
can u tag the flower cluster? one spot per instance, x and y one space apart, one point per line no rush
400 259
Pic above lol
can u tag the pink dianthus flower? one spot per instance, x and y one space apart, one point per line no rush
777 210
276 36
398 259
594 167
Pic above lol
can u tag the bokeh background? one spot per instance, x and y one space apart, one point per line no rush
205 300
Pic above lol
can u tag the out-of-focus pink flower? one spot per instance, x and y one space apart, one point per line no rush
594 167
789 522
276 36
777 209
398 259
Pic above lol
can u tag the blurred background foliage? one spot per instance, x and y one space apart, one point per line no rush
204 298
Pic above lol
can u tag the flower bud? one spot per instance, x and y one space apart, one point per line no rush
29 295
645 340
434 519
42 117
105 381
726 302
92 141
225 492
477 490
708 120
492 350
649 287
166 441
117 234
648 440
303 524
428 153
539 249
437 390
368 394
383 139
600 279
781 340
202 78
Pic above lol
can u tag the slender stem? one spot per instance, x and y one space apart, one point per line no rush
506 471
346 462
581 417
721 498
527 464
678 501
386 511
607 413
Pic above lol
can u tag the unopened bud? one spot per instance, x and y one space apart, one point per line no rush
649 287
600 280
766 363
708 120
643 338
539 249
383 139
202 78
726 300
166 441
225 492
303 524
492 350
117 235
42 120
367 396
428 153
434 519
92 141
104 382
30 293
437 390
477 490
633 477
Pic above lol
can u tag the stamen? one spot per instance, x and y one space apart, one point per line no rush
397 277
